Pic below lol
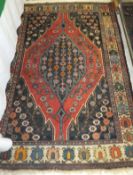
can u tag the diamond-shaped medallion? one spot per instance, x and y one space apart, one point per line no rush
62 60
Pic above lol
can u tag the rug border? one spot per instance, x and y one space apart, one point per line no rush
69 167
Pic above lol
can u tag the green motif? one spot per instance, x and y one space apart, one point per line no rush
129 151
119 86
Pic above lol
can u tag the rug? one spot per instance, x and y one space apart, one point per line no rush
69 96
128 15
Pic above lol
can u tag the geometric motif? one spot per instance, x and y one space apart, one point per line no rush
95 120
62 66
26 122
89 24
37 25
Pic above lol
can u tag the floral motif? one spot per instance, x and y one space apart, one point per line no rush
28 123
37 153
62 78
88 24
20 154
84 154
25 136
100 154
128 136
115 152
118 86
12 115
129 151
96 119
68 154
37 25
53 154
125 122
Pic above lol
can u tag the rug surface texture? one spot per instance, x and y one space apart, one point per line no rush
128 15
69 98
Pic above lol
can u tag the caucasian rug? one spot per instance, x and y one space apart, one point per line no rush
69 97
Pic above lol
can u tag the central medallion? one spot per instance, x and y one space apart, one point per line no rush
62 66
61 69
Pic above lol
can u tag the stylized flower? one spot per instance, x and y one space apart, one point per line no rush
29 129
35 137
109 114
129 151
16 103
29 104
68 154
14 137
92 128
37 153
85 137
104 91
106 121
25 136
22 116
100 154
118 86
99 96
53 154
62 74
49 110
17 129
18 110
105 102
79 97
23 98
43 98
99 115
125 122
103 128
25 123
123 108
14 123
103 109
20 154
96 136
72 109
120 97
128 136
115 152
92 103
96 122
84 154
12 115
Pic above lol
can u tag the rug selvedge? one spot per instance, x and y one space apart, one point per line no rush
66 142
